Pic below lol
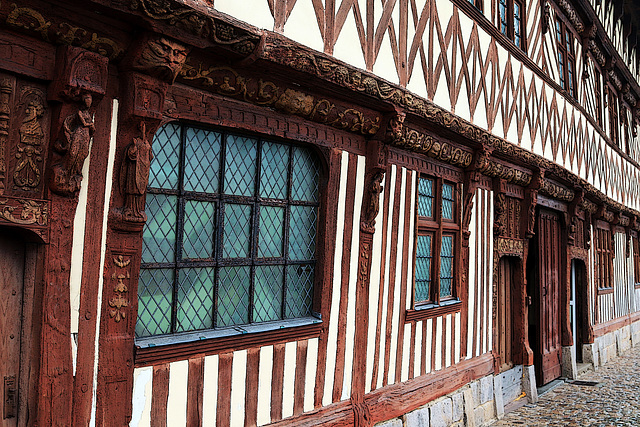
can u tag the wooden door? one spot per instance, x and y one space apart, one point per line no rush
548 353
12 256
506 275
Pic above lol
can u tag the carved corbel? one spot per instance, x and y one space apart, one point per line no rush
80 85
471 179
530 202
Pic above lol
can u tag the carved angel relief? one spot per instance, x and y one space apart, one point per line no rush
161 58
73 143
370 211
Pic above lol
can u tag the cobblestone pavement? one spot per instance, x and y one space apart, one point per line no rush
615 401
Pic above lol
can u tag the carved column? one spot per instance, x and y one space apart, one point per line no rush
149 70
81 79
375 167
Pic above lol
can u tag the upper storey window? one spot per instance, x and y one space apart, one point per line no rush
231 234
438 228
612 107
566 58
476 3
511 15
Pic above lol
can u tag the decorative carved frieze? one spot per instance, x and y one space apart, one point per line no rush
24 212
514 247
226 81
199 24
60 32
399 135
568 10
555 191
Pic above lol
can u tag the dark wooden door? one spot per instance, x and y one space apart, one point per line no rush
548 350
12 255
506 275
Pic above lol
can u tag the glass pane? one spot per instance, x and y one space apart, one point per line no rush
233 296
503 17
240 166
561 69
299 291
447 201
237 231
267 300
306 169
558 32
195 299
166 152
199 228
446 266
425 197
155 295
517 25
423 269
302 232
202 160
159 236
274 171
271 227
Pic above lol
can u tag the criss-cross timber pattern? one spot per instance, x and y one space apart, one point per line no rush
436 51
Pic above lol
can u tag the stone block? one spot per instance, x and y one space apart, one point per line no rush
529 384
441 413
478 414
469 406
475 392
486 389
417 418
457 400
497 396
395 422
569 365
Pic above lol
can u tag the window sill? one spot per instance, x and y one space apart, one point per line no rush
432 310
168 348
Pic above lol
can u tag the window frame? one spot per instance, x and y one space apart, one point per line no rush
438 227
597 75
568 82
508 28
603 257
636 260
613 111
310 322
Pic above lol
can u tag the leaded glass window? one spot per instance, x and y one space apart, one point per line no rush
437 226
566 58
231 232
511 21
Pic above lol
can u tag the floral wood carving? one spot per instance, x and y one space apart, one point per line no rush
134 177
569 11
73 143
198 24
62 33
228 82
500 214
401 136
5 112
531 201
119 302
572 217
161 58
28 171
372 202
31 212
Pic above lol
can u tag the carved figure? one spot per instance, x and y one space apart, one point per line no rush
134 176
162 58
27 173
77 130
368 222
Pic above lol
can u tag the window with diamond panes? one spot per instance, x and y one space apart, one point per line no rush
231 232
438 226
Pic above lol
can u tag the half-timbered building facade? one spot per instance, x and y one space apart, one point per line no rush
313 212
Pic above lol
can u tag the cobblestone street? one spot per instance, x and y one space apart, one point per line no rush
614 401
